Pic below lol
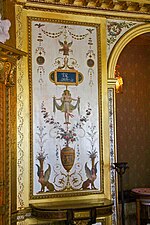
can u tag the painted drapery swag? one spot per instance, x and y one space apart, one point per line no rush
66 137
66 105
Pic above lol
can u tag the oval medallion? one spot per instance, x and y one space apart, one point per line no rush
90 62
40 60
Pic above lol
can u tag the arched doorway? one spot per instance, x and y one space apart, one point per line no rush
132 53
133 112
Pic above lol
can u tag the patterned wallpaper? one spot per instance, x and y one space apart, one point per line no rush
133 115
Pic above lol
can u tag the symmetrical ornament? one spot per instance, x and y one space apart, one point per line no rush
112 154
68 122
115 30
21 93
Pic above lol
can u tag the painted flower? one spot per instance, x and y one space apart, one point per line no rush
68 136
114 29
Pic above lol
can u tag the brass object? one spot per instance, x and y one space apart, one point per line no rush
81 214
82 222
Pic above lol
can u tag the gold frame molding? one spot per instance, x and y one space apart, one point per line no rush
73 20
8 63
124 40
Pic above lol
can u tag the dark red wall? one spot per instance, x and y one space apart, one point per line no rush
133 114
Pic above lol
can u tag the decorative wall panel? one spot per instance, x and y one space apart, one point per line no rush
65 100
112 154
115 30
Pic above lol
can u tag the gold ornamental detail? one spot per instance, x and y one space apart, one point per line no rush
7 73
8 61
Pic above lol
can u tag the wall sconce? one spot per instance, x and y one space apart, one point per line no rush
119 80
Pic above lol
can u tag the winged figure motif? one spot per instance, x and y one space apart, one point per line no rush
91 177
65 47
44 178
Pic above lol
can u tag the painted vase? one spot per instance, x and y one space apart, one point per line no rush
67 157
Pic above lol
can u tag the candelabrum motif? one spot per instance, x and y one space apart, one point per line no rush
44 176
90 58
68 173
67 137
41 52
